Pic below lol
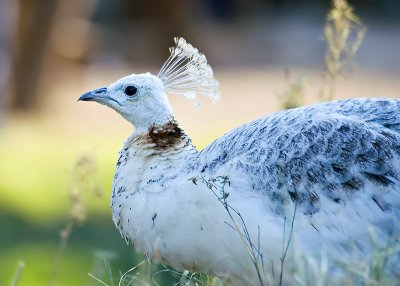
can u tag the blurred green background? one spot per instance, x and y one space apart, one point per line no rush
57 156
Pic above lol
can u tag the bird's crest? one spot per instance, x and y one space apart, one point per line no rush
186 72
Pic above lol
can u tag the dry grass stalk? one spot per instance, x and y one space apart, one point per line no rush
344 33
293 96
82 183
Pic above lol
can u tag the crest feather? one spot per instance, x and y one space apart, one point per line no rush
187 72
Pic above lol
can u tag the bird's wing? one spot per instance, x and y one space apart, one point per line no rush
336 152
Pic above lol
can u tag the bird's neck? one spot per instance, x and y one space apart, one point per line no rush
161 139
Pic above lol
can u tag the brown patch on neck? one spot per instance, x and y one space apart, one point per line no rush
165 136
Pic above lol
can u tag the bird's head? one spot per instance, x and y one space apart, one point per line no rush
141 98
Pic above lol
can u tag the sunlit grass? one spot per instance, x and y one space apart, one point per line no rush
35 166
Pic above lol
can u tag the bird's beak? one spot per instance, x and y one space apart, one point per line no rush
95 95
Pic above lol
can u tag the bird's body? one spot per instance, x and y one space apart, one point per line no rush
314 180
338 161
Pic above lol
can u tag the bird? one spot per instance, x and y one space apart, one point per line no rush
314 182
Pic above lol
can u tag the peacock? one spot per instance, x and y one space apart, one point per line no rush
313 182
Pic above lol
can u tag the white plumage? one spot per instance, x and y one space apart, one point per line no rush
320 176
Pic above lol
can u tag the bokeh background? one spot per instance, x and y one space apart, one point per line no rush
57 155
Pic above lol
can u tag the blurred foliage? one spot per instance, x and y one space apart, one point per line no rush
49 38
343 33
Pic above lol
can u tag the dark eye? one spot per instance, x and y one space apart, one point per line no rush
130 90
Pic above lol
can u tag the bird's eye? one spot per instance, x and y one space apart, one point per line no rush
130 90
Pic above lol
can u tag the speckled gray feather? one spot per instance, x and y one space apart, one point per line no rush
335 150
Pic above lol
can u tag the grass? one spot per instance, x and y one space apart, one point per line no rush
147 274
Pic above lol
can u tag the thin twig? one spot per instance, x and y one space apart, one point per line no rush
254 251
285 249
65 234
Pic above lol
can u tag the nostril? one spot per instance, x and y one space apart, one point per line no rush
101 90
